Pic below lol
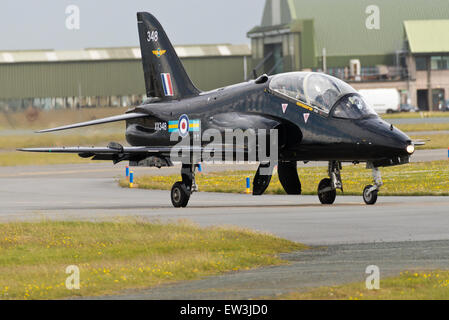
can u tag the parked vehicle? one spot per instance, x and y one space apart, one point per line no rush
445 106
382 100
405 107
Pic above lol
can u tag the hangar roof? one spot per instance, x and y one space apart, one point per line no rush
124 53
427 36
340 26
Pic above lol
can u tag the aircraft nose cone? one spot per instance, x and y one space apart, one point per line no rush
402 142
403 145
387 140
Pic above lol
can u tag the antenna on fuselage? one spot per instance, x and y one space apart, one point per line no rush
261 63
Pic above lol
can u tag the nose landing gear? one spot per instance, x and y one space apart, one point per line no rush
370 191
181 190
327 188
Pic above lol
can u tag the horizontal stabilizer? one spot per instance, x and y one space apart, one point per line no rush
121 117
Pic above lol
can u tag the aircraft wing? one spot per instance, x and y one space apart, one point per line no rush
121 117
116 152
113 151
98 150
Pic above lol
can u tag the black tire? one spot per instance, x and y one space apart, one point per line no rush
179 195
329 196
370 198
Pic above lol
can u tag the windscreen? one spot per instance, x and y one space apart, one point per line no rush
315 89
352 106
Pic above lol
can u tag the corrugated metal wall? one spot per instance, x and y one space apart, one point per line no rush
106 78
209 73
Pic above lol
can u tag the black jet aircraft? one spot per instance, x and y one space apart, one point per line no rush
317 117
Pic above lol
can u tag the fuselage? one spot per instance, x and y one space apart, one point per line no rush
306 133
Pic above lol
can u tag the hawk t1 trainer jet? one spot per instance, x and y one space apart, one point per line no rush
316 117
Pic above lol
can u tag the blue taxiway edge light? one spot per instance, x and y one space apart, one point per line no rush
248 189
131 179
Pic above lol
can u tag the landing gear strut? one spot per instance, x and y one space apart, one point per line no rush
370 191
181 190
327 188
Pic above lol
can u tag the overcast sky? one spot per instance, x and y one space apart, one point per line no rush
31 24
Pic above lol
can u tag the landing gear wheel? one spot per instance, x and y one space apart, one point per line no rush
179 195
328 196
369 197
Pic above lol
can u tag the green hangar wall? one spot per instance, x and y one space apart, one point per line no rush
300 30
106 76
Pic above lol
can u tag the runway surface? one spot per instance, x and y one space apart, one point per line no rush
397 233
90 192
418 120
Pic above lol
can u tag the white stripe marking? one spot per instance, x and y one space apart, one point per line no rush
8 57
51 56
224 50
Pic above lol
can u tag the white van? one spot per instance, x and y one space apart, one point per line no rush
382 100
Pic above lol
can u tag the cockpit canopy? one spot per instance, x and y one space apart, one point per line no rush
323 92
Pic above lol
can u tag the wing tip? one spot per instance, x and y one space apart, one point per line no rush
26 149
116 118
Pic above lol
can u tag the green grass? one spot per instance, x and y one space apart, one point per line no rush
422 178
11 142
16 158
408 127
8 143
97 136
414 115
53 118
425 285
433 141
113 256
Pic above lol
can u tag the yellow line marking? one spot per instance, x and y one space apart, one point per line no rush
304 106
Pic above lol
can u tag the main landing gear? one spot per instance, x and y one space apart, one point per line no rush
327 188
181 190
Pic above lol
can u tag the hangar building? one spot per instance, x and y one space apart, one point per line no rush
402 44
105 76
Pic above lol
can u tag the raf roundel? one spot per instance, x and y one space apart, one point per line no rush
183 125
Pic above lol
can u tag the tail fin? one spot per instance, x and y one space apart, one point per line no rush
165 76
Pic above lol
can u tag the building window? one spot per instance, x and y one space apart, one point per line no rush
439 62
421 63
445 62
